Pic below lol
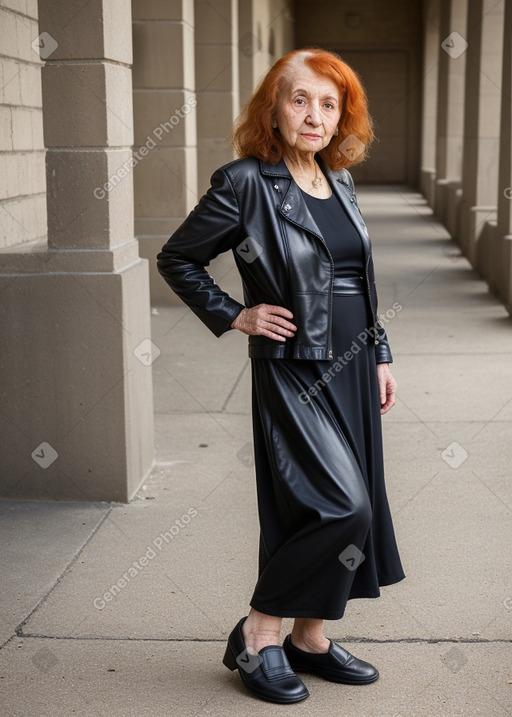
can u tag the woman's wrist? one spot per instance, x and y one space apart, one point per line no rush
236 323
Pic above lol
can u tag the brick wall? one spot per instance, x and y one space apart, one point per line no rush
22 155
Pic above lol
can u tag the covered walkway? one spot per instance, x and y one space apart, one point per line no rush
123 610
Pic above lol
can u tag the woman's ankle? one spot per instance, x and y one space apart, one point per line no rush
317 645
307 635
260 630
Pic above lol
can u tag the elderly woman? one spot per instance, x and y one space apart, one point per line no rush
320 364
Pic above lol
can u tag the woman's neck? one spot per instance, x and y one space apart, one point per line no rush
301 162
308 175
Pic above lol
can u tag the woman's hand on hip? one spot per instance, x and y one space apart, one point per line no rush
387 387
266 320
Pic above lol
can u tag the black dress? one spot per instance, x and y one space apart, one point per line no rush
326 529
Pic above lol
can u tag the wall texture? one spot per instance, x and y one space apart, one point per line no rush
382 42
22 172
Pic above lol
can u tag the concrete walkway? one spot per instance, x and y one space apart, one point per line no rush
123 610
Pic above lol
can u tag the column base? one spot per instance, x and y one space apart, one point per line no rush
77 416
473 237
428 186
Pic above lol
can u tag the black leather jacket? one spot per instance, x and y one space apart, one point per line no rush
257 211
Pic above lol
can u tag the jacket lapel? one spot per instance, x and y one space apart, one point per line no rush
294 208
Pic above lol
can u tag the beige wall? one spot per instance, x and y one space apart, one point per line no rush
382 42
22 172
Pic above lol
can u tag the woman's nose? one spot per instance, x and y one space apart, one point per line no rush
314 116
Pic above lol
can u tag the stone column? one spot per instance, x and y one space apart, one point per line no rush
165 127
481 127
77 418
500 275
249 45
450 111
431 50
266 30
216 58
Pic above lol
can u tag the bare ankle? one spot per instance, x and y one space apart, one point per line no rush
260 630
316 643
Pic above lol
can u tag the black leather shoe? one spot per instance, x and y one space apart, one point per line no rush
336 665
267 674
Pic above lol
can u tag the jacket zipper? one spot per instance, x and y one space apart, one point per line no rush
329 337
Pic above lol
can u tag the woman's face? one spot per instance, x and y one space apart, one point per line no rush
308 110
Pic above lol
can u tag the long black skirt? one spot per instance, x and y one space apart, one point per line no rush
326 529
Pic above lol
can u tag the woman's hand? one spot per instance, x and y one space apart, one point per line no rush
266 320
387 387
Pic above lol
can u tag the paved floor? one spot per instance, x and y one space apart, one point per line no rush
123 610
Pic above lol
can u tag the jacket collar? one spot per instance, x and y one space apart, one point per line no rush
294 208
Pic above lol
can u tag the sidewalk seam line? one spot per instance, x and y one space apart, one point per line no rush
235 386
359 640
18 632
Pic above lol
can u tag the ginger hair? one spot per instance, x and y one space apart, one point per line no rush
254 136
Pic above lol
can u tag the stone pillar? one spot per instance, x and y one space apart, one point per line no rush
481 127
165 126
77 418
431 49
249 45
266 30
216 59
500 276
450 111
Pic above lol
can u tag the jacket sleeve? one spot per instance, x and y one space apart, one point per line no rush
382 349
212 228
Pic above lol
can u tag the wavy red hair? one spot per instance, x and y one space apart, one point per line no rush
254 136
